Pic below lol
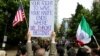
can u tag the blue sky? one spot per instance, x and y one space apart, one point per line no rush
67 7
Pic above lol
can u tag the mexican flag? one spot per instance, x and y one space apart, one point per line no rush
84 32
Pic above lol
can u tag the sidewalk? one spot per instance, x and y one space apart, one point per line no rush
11 52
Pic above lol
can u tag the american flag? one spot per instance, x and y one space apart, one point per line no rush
20 15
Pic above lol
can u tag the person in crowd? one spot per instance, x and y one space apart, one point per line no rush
82 52
35 47
21 49
60 49
72 51
40 51
46 45
95 52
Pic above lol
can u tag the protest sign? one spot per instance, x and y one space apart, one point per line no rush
41 17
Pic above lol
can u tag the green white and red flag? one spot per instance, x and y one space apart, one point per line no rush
84 32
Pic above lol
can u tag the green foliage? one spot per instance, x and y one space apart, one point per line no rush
62 30
76 18
8 10
92 17
96 19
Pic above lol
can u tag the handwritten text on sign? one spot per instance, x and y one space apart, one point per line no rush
41 22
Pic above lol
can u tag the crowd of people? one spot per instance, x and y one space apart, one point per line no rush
55 48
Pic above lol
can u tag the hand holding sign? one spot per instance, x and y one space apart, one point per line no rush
53 35
29 35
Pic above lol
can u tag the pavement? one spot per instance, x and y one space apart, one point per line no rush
11 52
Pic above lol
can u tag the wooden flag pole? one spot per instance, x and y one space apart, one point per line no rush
25 16
96 41
26 23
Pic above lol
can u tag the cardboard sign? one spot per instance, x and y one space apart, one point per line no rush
41 17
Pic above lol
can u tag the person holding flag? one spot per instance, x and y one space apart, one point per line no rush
83 36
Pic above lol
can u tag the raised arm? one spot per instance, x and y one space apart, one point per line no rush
53 50
29 45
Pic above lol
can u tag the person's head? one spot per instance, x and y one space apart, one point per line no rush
60 50
23 50
35 47
40 52
88 49
82 52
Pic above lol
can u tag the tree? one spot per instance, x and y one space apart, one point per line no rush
62 29
96 19
92 17
76 18
8 10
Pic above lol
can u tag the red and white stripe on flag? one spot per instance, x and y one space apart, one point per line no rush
20 16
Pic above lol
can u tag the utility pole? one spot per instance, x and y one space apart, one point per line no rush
5 32
56 16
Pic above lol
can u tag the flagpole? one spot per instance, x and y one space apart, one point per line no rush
25 16
25 20
96 41
79 44
26 23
